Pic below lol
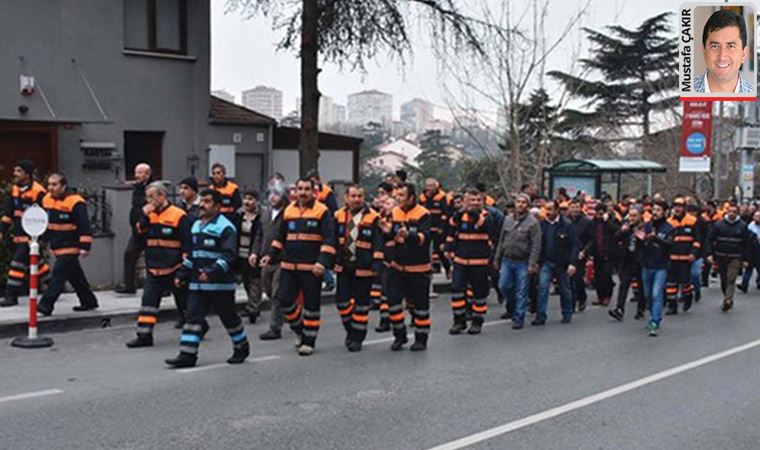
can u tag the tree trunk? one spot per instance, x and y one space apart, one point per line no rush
308 149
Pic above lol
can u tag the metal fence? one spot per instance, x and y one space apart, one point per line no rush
100 212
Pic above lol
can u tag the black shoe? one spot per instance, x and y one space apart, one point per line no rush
506 316
517 326
384 326
538 322
687 305
140 341
44 310
270 335
616 314
457 328
639 315
347 341
582 306
399 342
239 355
475 328
698 296
354 346
81 308
122 289
566 319
252 318
672 309
420 343
9 301
742 288
182 360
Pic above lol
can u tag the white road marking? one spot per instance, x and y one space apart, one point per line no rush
217 366
28 395
590 400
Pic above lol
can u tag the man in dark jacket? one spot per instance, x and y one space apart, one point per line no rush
729 246
629 269
602 249
654 242
247 223
191 202
559 256
582 226
136 244
271 219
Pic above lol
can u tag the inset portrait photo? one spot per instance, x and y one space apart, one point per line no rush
717 58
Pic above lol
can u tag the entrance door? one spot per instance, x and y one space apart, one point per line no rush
22 140
143 147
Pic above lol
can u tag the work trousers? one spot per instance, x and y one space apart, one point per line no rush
67 268
18 268
352 298
415 288
153 290
198 305
477 278
251 278
304 320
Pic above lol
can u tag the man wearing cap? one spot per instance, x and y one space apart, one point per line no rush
188 192
25 192
136 245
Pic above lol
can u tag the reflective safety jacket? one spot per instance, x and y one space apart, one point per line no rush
306 237
439 207
326 196
22 197
686 238
167 236
471 238
410 254
231 198
213 251
68 230
368 243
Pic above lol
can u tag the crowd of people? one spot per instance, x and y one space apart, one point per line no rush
381 254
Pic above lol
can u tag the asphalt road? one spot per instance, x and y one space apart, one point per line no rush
592 384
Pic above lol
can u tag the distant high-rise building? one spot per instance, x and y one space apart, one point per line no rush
370 106
417 114
264 100
224 95
339 113
330 114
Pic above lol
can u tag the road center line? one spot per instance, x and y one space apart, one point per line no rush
217 366
28 395
590 400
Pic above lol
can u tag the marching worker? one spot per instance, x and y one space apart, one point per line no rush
358 261
409 277
191 202
231 199
305 247
684 251
583 232
271 220
208 273
601 248
517 255
629 270
438 204
136 244
24 193
559 260
166 229
471 234
248 222
70 237
729 245
654 242
326 196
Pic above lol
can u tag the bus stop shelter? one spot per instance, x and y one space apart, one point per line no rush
594 176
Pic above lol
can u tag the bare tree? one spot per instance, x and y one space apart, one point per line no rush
351 32
490 92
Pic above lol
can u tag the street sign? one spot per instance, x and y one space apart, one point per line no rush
34 221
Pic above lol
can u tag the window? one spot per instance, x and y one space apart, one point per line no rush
156 25
143 147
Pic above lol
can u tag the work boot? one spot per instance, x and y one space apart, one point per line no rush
123 289
44 309
457 328
400 340
270 335
10 300
354 346
142 340
384 326
687 304
616 314
240 354
81 308
420 342
182 360
476 327
672 309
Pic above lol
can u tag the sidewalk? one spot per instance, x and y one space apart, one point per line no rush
115 309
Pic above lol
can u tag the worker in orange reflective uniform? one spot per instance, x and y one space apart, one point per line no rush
358 260
685 250
231 197
409 276
24 193
438 203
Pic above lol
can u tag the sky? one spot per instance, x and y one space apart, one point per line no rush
244 54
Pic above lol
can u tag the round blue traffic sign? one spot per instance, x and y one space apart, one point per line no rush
696 143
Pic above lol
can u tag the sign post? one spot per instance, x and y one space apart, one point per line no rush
34 222
696 132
